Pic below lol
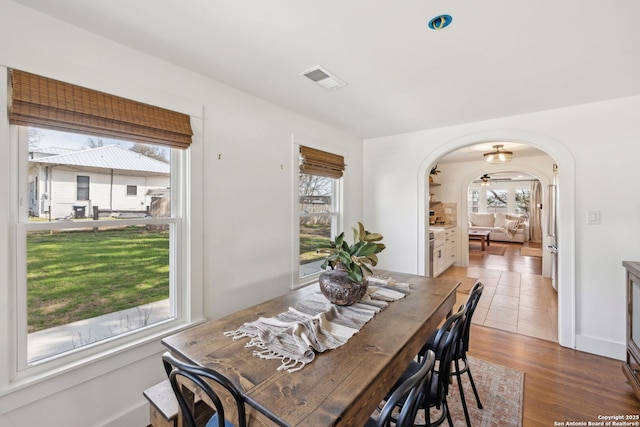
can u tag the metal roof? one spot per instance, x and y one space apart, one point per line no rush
108 157
50 151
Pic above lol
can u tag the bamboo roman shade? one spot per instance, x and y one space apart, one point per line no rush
317 162
43 102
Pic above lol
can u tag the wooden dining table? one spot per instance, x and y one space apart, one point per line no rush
341 387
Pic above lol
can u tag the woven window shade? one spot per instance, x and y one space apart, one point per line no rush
317 162
42 102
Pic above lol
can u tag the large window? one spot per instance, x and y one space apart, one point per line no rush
89 280
507 197
523 200
473 199
318 218
319 207
497 200
99 267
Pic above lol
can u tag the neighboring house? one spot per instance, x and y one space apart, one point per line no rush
65 182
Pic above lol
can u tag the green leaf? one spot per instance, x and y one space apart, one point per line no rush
356 248
345 259
356 274
367 249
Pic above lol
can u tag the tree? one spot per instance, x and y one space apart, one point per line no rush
34 137
315 197
94 143
523 200
497 198
314 185
153 151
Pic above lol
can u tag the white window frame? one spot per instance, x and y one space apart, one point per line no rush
337 215
48 378
509 187
176 293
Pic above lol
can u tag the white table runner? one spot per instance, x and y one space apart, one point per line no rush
316 325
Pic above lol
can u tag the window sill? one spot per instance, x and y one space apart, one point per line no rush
306 281
29 387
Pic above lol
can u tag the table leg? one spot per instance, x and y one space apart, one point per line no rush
482 239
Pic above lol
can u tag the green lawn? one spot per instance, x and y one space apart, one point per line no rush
81 274
78 275
312 236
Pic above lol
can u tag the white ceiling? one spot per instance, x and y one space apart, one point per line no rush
498 58
475 152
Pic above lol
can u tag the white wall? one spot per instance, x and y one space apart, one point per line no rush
248 194
597 152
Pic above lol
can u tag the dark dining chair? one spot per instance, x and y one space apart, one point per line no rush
445 340
200 378
410 393
460 350
460 354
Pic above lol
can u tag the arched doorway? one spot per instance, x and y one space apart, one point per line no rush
531 171
565 211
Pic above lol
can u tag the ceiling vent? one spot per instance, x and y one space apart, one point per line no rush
323 78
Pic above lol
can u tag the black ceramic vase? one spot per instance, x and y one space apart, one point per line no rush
338 288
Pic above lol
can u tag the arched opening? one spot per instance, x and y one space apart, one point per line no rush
531 173
563 178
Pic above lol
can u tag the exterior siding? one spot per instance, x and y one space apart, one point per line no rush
61 191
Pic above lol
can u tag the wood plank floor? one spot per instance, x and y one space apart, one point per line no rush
561 384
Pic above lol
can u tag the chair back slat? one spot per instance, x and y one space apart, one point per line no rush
446 343
410 394
213 387
472 303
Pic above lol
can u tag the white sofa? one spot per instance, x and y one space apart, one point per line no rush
503 227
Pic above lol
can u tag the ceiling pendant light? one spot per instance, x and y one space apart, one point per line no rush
485 180
498 155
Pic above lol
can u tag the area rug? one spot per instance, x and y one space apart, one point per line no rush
525 251
501 391
493 249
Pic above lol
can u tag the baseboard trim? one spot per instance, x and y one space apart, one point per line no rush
134 416
601 347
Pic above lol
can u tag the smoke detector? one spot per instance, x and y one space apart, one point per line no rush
323 77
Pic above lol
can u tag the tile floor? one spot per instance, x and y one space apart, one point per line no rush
514 301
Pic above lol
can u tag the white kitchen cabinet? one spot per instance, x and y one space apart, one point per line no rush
444 249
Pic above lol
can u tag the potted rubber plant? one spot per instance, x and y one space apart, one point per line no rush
344 280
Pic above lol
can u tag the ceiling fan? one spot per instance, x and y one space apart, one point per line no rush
487 178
